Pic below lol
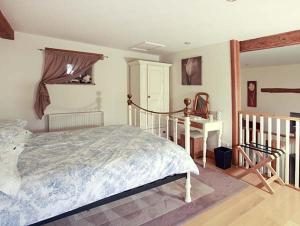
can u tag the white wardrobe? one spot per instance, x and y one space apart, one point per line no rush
149 86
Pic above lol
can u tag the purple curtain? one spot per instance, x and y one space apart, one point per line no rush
57 72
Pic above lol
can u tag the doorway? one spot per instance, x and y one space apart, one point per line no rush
238 47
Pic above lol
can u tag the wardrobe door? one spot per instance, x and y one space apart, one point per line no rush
155 88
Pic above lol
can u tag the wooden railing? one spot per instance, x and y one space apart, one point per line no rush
273 131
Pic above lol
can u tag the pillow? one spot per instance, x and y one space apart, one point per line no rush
13 123
10 179
8 133
13 135
21 137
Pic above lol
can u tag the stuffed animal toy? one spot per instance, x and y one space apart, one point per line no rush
87 79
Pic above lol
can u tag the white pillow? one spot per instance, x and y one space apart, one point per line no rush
7 134
10 128
13 135
21 138
12 140
10 179
13 123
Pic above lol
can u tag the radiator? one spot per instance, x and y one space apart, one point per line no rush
74 120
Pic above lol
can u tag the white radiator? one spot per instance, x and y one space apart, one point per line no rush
74 120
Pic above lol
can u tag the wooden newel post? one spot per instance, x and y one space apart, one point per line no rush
187 122
129 102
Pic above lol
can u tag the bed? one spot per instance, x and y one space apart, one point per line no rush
67 172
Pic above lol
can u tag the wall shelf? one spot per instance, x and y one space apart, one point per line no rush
280 90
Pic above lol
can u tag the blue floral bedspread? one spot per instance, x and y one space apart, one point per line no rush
62 171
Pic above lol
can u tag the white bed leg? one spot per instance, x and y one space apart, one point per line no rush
188 188
187 123
129 102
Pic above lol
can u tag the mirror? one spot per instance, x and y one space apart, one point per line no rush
201 105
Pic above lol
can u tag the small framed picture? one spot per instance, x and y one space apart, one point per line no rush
252 93
191 71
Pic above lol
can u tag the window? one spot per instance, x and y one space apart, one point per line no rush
85 78
70 69
77 70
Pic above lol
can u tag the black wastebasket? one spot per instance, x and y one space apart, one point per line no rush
292 168
223 157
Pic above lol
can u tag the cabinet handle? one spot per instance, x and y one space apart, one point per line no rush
148 96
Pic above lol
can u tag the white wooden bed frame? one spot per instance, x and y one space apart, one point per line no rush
167 116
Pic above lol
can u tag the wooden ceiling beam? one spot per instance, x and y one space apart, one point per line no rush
272 41
6 31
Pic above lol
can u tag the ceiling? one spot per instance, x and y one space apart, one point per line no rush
271 57
122 24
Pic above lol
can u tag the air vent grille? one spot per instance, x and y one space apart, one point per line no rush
147 46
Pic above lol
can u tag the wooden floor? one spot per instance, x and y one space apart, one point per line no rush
253 206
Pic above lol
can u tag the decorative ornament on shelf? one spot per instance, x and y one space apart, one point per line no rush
87 79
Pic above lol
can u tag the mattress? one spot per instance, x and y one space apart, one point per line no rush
62 171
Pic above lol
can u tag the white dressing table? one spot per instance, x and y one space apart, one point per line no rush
205 126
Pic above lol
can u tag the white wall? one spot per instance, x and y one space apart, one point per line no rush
281 76
216 82
21 68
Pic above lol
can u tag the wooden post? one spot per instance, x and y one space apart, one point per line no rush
129 102
236 95
187 122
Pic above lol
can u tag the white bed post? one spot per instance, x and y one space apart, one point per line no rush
129 102
187 123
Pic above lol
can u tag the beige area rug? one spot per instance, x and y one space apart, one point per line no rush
161 206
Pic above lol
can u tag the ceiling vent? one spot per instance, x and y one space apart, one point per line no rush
147 46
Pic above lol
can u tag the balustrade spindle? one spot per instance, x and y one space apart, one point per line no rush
278 121
297 137
247 137
287 151
261 126
241 159
254 135
269 140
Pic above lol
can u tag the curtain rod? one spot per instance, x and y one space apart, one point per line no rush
107 57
